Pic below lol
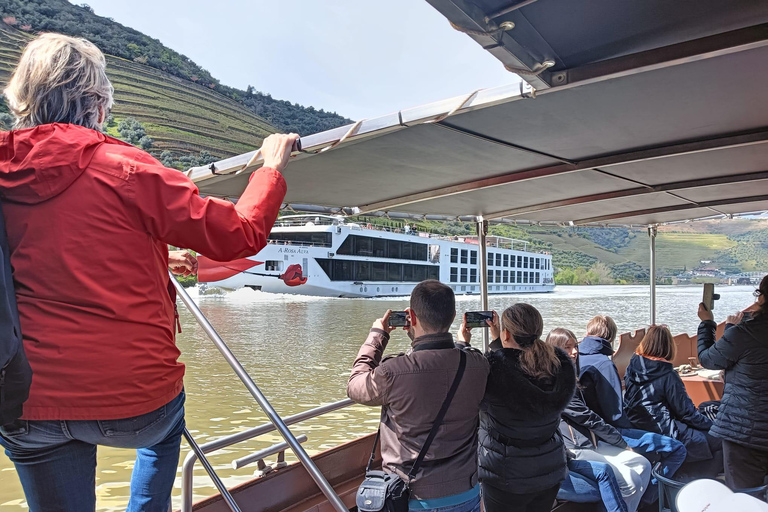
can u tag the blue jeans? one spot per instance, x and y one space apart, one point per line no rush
56 459
656 448
472 505
592 482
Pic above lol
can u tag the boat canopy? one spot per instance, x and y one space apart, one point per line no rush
631 113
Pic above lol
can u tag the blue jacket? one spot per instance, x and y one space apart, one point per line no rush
656 401
600 381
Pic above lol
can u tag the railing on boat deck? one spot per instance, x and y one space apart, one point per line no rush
187 469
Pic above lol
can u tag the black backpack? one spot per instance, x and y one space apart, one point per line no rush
15 373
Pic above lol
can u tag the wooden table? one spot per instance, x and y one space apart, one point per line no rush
701 389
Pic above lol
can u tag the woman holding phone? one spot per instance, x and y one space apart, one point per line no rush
742 420
521 455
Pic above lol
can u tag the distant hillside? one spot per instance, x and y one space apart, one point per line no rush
131 45
179 116
622 255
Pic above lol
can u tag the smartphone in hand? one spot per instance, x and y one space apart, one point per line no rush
399 319
478 318
710 296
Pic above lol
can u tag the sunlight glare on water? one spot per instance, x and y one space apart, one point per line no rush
299 350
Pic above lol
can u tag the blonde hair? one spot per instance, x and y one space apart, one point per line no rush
658 342
525 324
60 79
559 337
602 326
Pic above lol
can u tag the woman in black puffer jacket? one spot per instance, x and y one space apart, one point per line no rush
522 458
742 420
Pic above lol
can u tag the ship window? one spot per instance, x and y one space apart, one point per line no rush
490 259
498 276
506 260
342 270
473 257
432 272
464 257
454 274
498 259
362 271
512 276
454 255
434 253
505 276
325 265
273 265
519 277
473 275
525 277
379 271
379 248
525 262
538 277
519 262
490 276
463 275
420 252
393 249
394 272
538 262
405 251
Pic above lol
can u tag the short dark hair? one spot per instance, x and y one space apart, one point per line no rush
434 304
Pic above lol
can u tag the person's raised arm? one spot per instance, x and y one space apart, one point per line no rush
578 413
681 406
720 355
170 208
369 384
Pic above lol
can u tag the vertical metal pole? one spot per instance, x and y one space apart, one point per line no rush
275 418
652 236
482 230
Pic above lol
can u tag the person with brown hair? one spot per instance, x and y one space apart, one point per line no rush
656 401
522 459
592 444
601 384
742 420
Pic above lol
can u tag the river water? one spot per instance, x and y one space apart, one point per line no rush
299 350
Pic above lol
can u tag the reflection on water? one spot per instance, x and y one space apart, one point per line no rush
299 350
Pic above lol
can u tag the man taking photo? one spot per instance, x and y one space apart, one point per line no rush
411 388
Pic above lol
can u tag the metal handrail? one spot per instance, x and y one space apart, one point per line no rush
188 466
266 452
271 413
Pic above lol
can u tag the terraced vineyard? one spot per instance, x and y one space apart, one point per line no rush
179 115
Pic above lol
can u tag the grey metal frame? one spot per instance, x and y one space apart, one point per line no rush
652 236
482 231
273 416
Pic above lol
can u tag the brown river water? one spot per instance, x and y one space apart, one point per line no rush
299 350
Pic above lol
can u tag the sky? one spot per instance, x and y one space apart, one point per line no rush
360 58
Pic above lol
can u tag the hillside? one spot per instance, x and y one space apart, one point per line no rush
179 116
133 46
622 255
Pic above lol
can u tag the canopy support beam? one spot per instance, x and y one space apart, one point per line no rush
652 236
482 231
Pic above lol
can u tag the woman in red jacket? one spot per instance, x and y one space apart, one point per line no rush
89 219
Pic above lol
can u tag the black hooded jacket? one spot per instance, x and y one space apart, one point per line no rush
520 449
656 400
743 353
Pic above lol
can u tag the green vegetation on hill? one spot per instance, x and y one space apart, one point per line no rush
134 47
179 116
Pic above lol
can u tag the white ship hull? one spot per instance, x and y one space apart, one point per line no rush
347 260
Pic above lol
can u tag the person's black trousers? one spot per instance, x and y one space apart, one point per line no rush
745 467
497 500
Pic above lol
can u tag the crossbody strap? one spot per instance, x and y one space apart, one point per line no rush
435 425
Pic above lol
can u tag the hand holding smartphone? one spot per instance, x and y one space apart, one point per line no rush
478 318
399 319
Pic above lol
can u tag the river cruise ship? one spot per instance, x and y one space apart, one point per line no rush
324 255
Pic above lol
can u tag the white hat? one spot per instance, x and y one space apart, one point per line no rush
713 496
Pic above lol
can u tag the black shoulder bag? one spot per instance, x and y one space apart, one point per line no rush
381 491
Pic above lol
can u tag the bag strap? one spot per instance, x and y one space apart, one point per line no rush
440 415
435 424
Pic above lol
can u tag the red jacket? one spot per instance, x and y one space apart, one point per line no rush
88 219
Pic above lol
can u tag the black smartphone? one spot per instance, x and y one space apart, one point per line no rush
398 319
478 318
710 296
